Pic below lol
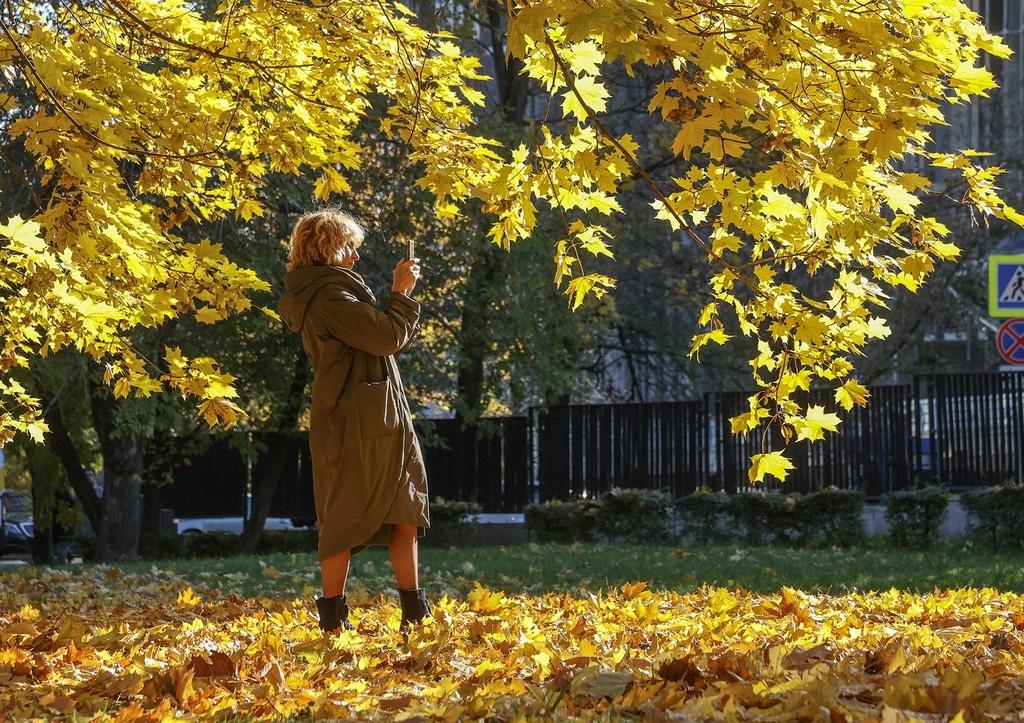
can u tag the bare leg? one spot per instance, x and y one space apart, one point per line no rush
403 551
334 573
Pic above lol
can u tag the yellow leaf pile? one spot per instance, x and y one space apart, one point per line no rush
145 647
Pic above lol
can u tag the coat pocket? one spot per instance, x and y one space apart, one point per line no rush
377 408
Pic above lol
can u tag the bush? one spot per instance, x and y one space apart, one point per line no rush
832 516
634 516
702 514
561 520
210 544
996 516
915 516
304 540
450 523
766 517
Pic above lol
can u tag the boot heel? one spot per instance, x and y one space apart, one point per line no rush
333 613
414 607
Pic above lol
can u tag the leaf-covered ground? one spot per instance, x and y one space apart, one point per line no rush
232 638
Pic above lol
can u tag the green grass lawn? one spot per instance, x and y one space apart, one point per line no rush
537 568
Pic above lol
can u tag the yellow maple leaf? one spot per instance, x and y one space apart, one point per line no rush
812 425
850 393
590 92
774 463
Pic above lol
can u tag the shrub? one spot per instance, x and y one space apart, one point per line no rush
86 545
170 546
210 544
915 516
766 517
561 520
996 516
634 516
701 515
832 516
304 540
450 523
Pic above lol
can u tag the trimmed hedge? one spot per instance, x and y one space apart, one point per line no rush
705 515
995 516
634 516
832 517
561 520
915 516
450 523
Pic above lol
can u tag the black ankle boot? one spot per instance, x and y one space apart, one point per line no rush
414 607
333 613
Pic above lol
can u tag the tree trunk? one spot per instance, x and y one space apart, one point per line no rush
474 337
44 469
512 82
269 468
150 544
117 537
59 441
122 499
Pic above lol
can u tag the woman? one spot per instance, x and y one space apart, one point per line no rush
369 483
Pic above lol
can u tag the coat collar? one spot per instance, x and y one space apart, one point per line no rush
302 284
353 280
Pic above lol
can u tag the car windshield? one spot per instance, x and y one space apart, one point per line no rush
18 505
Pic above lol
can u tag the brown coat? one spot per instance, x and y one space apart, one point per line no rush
367 465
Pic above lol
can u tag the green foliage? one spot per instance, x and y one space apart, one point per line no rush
766 516
915 516
634 515
450 523
996 516
702 514
832 516
211 544
562 520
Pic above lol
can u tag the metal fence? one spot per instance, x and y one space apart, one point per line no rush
492 468
871 449
588 449
959 430
975 425
208 484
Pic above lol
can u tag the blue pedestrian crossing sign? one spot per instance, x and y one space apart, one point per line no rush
1006 286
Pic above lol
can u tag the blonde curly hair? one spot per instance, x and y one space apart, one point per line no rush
319 236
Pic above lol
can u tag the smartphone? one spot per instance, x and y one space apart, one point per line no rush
410 250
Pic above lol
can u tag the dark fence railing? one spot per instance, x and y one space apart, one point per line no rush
957 430
208 484
293 496
588 449
871 449
975 424
492 468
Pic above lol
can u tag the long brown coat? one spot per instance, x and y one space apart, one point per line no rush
367 464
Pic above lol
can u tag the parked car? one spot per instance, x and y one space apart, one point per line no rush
197 525
16 528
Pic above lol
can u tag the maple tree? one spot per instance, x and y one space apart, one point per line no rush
149 115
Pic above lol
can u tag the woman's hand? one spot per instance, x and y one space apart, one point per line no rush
407 272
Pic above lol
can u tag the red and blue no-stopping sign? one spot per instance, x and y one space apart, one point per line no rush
1010 341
